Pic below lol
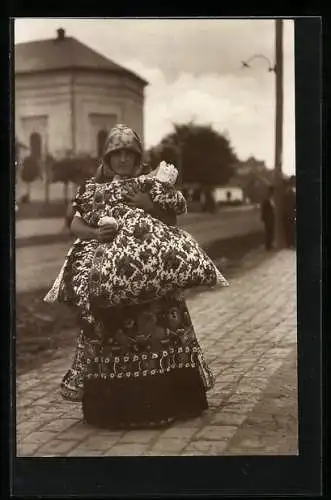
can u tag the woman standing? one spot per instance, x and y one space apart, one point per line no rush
268 218
142 365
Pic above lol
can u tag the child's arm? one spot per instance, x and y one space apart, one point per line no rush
156 194
144 201
162 189
167 198
168 218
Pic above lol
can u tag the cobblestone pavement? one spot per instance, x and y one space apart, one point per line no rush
248 333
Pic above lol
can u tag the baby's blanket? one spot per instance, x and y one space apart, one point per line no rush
146 259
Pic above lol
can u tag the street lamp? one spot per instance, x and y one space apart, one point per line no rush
278 70
247 63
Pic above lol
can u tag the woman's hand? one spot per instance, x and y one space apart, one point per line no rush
105 233
84 231
140 200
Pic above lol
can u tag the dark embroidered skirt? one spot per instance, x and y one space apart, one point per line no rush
152 401
144 367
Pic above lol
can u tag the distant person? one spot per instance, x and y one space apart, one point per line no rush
289 212
268 218
68 218
208 203
228 197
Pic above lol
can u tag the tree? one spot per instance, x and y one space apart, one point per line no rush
48 165
163 152
30 172
202 155
73 169
253 176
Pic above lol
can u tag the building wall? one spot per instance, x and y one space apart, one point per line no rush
220 194
101 101
44 104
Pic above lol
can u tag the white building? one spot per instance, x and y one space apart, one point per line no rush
228 194
67 96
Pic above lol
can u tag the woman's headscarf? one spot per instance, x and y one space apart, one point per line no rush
122 137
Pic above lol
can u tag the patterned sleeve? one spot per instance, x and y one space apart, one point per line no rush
168 198
77 201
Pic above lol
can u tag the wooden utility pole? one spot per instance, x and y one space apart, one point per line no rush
279 234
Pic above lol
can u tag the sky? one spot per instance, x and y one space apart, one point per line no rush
194 71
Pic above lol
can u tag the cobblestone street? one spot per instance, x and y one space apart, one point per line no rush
248 334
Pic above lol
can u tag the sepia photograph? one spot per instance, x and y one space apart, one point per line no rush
155 237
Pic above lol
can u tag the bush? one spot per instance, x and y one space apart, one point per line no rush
30 169
74 170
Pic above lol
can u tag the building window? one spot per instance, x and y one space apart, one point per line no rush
101 141
35 145
100 125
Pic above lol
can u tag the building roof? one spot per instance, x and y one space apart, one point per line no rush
63 53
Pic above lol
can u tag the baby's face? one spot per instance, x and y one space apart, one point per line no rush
123 162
